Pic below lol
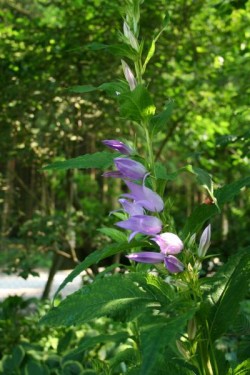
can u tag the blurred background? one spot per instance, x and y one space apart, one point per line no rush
49 219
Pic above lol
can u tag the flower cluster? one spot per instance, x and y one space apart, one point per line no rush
138 204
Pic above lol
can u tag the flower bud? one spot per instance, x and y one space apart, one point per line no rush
192 329
130 168
130 36
129 75
118 146
183 351
204 242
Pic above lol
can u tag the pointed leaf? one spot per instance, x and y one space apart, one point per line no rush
157 335
113 89
100 160
104 297
114 234
205 212
158 122
90 342
83 89
150 54
232 290
96 257
137 105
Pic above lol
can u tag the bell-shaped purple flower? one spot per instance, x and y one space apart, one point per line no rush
118 146
131 208
130 168
204 242
169 243
172 264
147 257
148 225
144 196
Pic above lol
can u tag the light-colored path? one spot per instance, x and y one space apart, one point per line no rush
11 285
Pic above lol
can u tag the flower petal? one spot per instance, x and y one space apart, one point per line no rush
169 243
144 224
118 146
146 197
130 168
204 241
131 208
173 264
146 257
114 174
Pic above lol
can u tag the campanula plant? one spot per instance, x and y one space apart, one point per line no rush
175 315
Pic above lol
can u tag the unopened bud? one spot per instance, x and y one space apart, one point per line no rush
204 242
192 329
181 347
129 75
130 36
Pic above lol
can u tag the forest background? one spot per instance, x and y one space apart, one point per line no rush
201 67
52 218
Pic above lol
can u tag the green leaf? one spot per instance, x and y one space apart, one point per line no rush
91 342
203 178
83 89
34 367
113 89
72 368
122 50
137 105
242 369
157 335
100 160
158 122
205 212
110 296
95 257
18 355
95 46
128 356
166 21
150 54
114 234
225 292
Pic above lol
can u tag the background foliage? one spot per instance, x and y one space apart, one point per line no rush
199 72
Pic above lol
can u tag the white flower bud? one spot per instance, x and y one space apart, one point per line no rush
204 242
129 75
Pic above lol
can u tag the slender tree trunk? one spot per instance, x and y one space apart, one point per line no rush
56 264
9 197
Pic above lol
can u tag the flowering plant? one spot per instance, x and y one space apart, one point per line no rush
176 318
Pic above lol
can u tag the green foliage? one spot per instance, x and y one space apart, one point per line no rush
204 212
158 122
108 296
98 160
96 257
137 105
228 289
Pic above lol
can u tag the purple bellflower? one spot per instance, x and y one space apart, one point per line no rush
127 168
118 146
204 241
145 197
169 244
172 264
148 225
130 168
131 208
